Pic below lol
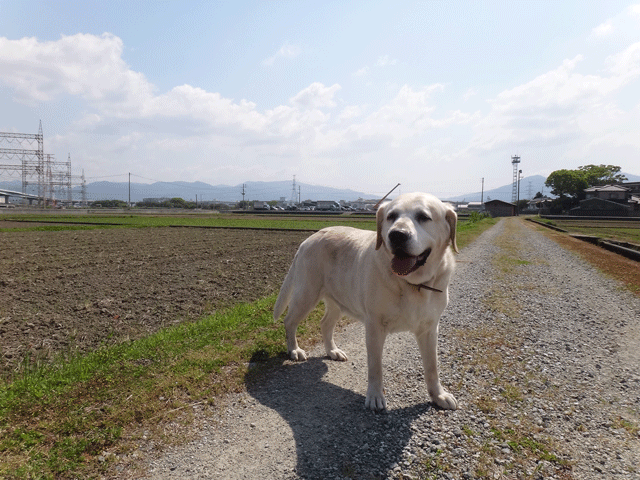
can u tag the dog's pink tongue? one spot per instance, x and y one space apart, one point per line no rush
403 265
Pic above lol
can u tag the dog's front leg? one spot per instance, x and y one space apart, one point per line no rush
375 336
428 344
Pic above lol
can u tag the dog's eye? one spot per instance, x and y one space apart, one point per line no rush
392 217
423 217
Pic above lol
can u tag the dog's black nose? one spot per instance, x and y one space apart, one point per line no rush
398 238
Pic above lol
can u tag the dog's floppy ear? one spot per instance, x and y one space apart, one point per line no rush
452 220
379 219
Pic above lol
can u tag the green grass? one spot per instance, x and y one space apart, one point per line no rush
466 228
69 222
621 234
525 445
57 419
625 231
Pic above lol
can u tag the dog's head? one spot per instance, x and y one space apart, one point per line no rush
416 229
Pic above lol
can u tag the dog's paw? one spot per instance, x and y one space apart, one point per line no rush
445 400
298 355
337 354
375 401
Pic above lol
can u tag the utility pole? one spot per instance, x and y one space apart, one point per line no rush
84 190
518 202
299 194
482 194
129 189
293 190
243 187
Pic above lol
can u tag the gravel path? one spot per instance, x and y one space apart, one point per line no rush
541 351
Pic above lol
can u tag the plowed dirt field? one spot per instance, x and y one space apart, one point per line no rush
71 291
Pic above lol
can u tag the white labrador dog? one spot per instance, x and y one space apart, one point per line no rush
395 279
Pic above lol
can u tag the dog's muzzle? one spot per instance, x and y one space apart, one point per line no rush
403 264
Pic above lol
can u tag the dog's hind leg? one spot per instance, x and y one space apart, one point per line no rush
331 316
299 309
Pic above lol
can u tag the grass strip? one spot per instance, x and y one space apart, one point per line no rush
86 222
214 220
57 418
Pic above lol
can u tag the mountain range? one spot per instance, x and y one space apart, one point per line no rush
529 186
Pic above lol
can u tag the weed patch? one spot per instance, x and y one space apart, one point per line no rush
57 418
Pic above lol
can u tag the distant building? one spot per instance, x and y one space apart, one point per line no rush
538 205
499 208
634 203
598 207
617 200
608 192
634 187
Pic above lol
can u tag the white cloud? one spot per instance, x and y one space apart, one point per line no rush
603 30
385 61
563 115
623 27
401 122
209 107
471 92
361 72
349 112
286 51
82 65
316 95
625 65
128 119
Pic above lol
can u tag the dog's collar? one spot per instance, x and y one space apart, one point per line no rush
425 286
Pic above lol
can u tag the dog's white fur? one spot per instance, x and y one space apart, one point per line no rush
351 270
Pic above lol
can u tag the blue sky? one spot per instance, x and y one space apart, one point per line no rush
361 95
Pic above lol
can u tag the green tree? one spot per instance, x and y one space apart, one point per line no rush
522 204
177 202
602 174
567 183
109 204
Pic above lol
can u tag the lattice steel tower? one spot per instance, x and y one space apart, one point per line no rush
515 160
24 154
26 160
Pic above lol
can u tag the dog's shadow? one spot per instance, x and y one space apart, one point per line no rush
335 435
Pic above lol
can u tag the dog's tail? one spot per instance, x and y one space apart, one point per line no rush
285 293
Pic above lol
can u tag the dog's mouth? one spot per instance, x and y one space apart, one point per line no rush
403 264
